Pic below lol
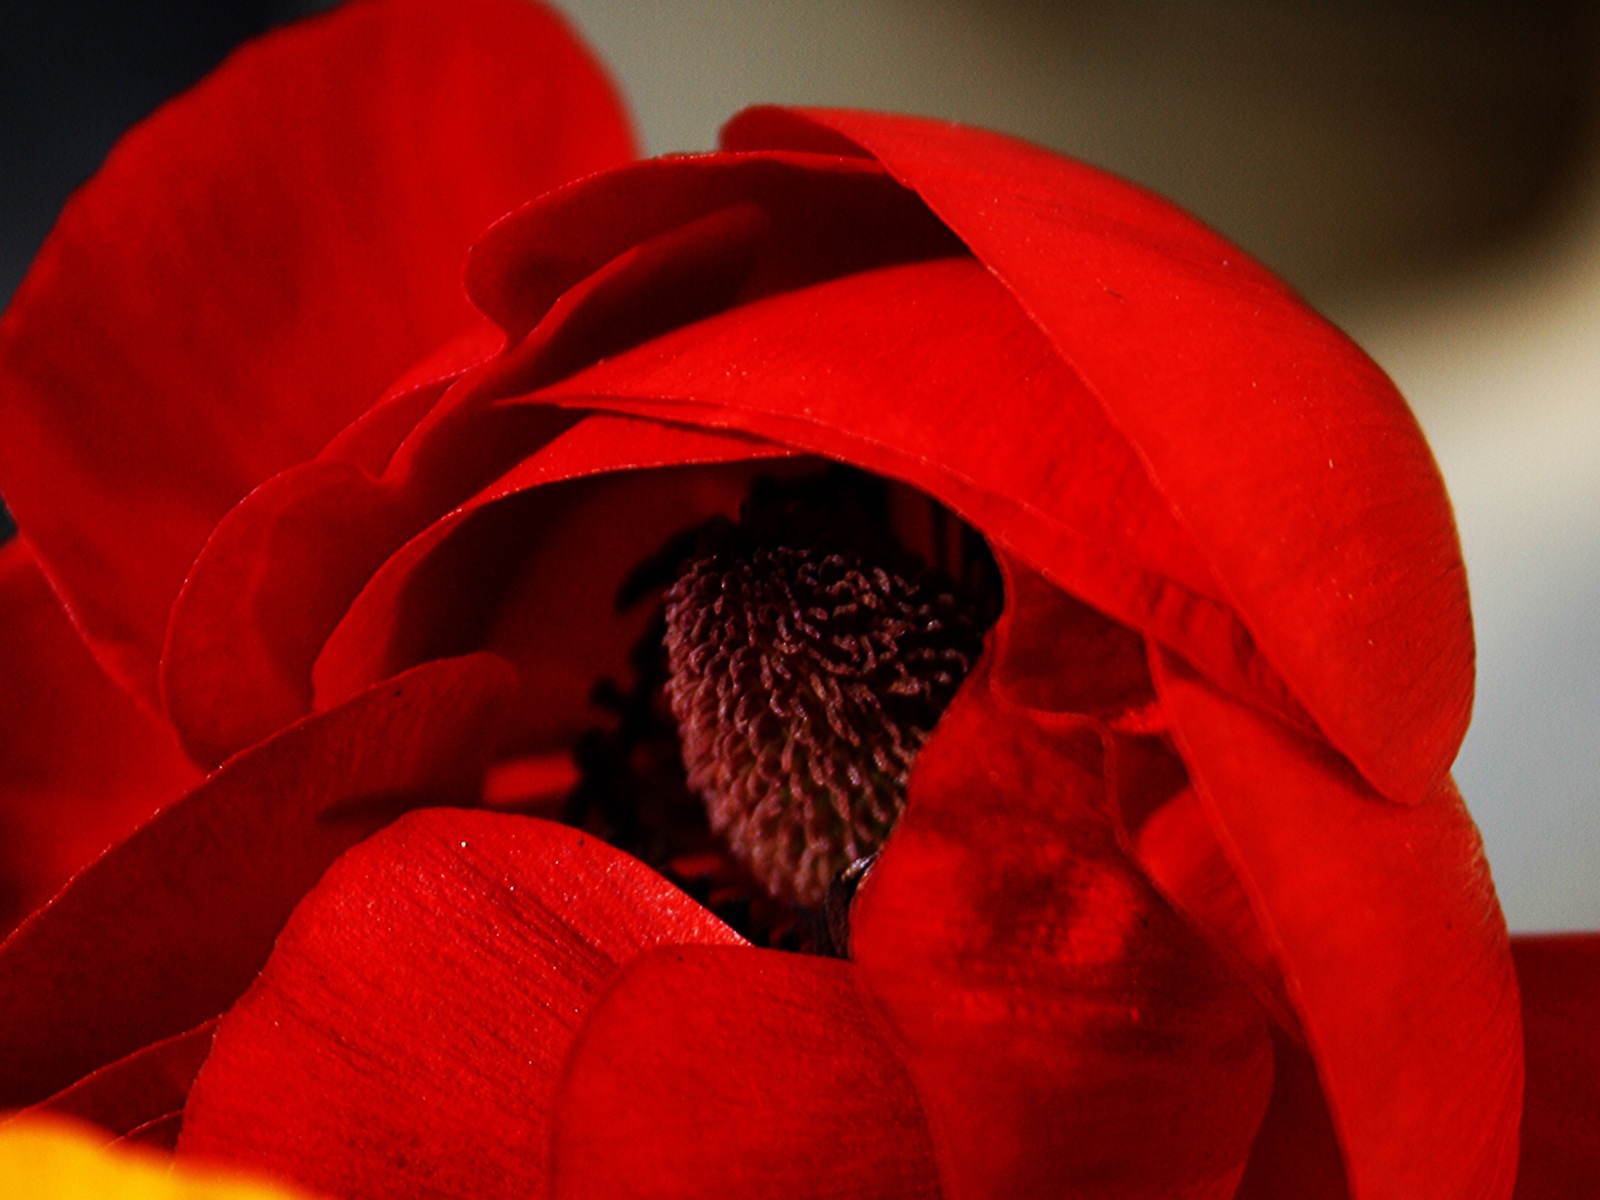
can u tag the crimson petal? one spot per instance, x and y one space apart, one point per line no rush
1065 1027
84 764
252 267
405 1037
1384 923
706 1071
170 926
1289 457
1560 980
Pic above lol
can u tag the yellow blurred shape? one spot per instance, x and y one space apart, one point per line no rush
51 1159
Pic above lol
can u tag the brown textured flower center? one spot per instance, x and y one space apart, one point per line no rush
804 679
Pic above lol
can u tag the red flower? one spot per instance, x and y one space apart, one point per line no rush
1182 894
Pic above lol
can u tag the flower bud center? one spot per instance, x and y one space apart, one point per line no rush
804 679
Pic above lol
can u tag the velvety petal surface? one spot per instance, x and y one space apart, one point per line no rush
169 927
740 1074
83 764
405 1038
1287 454
255 264
1560 981
1067 1030
1393 950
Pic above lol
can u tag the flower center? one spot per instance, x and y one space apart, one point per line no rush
805 669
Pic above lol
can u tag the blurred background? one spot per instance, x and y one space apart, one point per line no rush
1426 173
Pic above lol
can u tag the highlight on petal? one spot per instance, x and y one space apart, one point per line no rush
1066 1029
83 763
54 1159
255 264
706 1071
1383 921
1287 455
168 928
1560 980
406 1036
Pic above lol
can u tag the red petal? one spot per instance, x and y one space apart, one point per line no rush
145 1086
166 929
406 1035
899 370
1385 924
715 1072
254 264
1065 1028
532 571
1296 1152
83 763
1289 457
1560 980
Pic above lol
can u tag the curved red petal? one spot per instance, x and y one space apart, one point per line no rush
1287 454
1066 1029
532 570
84 764
1560 981
899 370
406 1035
142 1087
706 1071
167 928
254 264
1384 923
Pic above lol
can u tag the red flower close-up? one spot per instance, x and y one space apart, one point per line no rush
876 661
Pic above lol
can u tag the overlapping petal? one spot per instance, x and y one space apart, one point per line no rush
1291 460
166 930
406 1036
83 763
1392 945
254 265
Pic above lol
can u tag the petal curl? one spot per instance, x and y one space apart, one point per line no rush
170 926
1384 923
252 267
1285 451
705 1071
1560 981
406 1035
84 764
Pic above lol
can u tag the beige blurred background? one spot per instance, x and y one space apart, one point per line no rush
1428 174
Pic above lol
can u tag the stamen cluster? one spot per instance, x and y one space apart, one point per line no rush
804 681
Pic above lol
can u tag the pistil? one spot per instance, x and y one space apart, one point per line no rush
804 674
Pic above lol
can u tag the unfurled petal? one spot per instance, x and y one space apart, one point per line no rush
1384 924
406 1036
168 928
738 1073
1560 981
1287 455
83 764
252 268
